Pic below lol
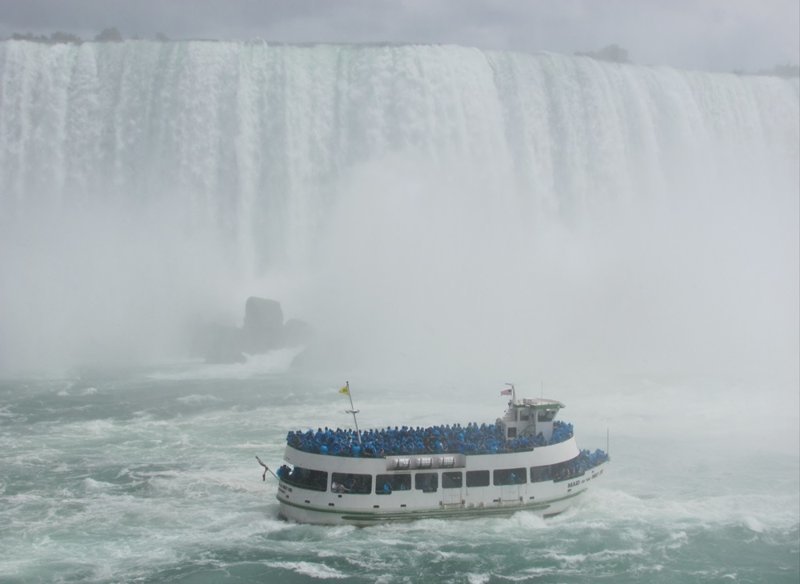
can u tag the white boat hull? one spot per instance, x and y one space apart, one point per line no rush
545 498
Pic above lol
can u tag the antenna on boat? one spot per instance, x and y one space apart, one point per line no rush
352 410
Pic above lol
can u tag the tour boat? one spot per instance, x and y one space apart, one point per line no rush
525 461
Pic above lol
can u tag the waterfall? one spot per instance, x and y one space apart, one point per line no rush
439 197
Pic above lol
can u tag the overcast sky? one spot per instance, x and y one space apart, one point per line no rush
698 34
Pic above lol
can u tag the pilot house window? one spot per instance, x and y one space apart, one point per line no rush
547 415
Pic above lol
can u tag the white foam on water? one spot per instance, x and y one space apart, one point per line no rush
198 399
93 485
527 521
754 524
525 574
271 363
251 446
763 511
319 571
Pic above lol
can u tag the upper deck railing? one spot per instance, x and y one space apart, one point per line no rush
455 439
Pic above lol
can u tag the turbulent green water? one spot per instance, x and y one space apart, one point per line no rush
150 476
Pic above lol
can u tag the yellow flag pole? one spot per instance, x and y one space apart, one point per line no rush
353 411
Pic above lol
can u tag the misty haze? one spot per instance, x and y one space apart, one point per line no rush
437 221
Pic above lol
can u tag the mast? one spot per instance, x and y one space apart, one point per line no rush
513 393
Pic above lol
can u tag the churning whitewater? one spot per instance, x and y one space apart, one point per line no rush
621 238
151 477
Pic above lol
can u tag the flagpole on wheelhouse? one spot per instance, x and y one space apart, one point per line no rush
513 392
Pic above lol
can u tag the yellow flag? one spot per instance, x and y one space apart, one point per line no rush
345 390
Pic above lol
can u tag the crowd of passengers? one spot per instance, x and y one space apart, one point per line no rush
455 439
426 481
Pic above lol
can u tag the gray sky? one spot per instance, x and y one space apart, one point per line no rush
697 34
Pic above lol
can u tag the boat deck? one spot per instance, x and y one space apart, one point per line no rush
447 439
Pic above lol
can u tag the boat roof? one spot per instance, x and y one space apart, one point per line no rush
538 403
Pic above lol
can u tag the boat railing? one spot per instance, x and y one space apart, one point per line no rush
578 466
399 441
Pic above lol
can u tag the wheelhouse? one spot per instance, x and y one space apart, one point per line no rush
530 417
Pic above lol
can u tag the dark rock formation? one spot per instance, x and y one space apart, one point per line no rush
263 325
296 332
263 330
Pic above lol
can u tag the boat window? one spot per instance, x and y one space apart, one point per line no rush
509 476
568 469
385 484
540 473
427 482
477 478
547 415
452 480
512 432
577 466
306 478
357 484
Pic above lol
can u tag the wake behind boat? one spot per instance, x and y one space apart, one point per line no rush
526 460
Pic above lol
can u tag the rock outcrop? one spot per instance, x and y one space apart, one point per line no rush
263 330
